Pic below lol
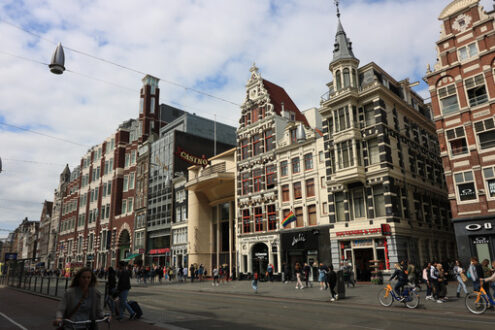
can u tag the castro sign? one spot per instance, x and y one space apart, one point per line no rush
477 226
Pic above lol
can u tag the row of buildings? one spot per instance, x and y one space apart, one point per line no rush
372 174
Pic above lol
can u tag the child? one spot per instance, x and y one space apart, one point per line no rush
254 284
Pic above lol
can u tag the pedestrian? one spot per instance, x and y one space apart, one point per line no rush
270 272
426 279
460 277
298 270
487 272
491 278
492 284
322 274
201 270
82 301
215 276
475 273
286 270
123 287
110 290
411 274
434 273
254 283
332 282
307 272
191 272
442 283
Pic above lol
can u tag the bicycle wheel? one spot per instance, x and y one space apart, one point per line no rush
475 304
412 300
385 298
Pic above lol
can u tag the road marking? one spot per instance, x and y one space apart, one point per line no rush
13 322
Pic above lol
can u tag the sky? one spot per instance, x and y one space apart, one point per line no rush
207 45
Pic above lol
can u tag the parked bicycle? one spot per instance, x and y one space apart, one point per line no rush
410 298
478 301
68 324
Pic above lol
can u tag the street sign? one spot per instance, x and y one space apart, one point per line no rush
10 256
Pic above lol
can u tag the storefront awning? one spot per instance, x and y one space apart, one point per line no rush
132 256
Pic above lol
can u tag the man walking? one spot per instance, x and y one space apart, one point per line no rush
123 287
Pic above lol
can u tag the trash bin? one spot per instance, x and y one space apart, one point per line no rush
340 288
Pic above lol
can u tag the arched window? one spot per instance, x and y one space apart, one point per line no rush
354 78
338 79
347 78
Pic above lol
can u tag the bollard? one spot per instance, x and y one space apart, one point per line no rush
56 287
35 282
41 285
48 286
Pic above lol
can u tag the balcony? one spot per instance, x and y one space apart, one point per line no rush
477 100
347 174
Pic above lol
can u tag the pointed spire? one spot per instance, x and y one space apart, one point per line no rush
300 133
254 68
343 45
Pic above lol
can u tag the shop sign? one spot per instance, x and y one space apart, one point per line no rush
259 238
481 240
362 242
159 251
467 191
298 238
477 226
141 251
10 256
491 187
191 159
386 230
261 255
359 232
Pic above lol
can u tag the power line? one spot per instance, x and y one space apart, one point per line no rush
43 134
19 201
33 161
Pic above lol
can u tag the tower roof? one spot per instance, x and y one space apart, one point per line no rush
343 45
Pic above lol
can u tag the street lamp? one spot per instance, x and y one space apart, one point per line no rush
58 60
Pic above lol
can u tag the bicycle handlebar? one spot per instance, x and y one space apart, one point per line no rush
86 322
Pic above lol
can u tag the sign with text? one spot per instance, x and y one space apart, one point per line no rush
371 231
10 256
191 159
159 251
467 191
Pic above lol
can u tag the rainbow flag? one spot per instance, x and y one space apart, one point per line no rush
288 219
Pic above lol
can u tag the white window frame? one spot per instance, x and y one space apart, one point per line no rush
465 180
446 90
483 126
471 51
457 136
487 176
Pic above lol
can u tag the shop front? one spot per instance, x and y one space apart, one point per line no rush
475 237
257 252
160 256
365 250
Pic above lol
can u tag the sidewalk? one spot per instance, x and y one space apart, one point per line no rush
362 294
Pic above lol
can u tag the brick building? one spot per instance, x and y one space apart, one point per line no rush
462 90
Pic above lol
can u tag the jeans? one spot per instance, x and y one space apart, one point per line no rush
398 286
476 285
254 284
461 284
123 303
428 289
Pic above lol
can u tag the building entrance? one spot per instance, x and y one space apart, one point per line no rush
260 258
362 259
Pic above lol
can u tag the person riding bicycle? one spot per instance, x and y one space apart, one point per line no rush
81 302
401 276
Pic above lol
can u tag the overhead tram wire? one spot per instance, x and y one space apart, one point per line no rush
123 66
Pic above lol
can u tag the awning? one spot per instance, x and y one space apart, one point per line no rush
132 256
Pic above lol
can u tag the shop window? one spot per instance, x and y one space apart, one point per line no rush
457 141
258 218
269 140
489 175
466 188
299 217
358 203
257 145
373 151
485 130
246 219
272 217
270 176
467 51
379 201
308 162
296 166
284 168
257 180
285 193
297 190
310 188
344 154
244 149
246 178
312 215
339 206
476 91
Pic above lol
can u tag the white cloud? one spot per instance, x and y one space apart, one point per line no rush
190 42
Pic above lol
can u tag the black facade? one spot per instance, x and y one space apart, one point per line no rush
475 237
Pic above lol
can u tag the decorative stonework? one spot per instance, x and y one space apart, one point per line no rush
461 22
455 7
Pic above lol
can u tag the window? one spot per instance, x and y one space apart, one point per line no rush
257 180
129 205
133 157
312 215
379 201
373 151
246 178
255 115
465 185
283 168
467 52
91 242
270 176
258 218
177 214
105 171
126 183
257 146
321 156
358 203
244 149
310 188
339 206
476 91
124 206
324 207
293 136
338 79
269 140
297 190
489 175
246 228
272 217
131 181
299 217
323 182
486 133
285 193
344 154
141 105
308 161
457 141
107 215
448 99
126 160
152 105
109 188
369 114
347 78
342 121
296 167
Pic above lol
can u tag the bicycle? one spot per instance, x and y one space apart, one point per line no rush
478 301
386 297
68 324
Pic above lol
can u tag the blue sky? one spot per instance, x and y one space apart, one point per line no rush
208 45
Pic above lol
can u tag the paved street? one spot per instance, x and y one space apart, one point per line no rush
276 306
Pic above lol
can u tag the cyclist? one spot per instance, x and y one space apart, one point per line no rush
401 276
81 302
